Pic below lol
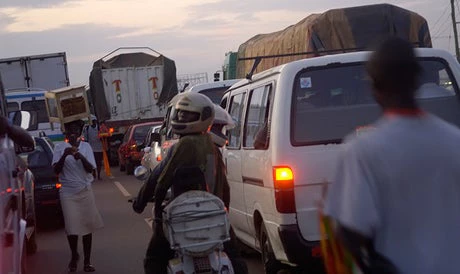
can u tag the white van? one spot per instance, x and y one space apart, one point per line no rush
291 121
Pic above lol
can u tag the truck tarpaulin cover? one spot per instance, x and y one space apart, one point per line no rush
349 28
138 59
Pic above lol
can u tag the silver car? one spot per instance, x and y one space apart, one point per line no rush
152 151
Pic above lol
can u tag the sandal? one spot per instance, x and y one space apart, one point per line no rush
89 268
73 264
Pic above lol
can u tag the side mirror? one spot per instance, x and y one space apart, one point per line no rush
25 119
141 173
155 137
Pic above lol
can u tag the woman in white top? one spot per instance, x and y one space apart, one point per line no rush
74 162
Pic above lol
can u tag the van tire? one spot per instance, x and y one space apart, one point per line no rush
271 265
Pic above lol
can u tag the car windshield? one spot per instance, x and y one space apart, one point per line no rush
325 111
140 132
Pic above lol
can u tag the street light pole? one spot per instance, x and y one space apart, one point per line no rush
454 25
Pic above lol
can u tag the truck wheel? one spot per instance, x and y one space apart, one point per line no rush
271 265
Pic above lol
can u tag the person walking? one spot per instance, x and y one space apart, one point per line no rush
91 134
396 194
74 162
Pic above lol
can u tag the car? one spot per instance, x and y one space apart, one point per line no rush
131 151
152 150
290 124
46 190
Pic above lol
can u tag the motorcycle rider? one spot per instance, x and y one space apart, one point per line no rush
194 114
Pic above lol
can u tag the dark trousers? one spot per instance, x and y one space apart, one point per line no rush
159 253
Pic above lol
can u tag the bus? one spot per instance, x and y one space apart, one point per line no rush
33 99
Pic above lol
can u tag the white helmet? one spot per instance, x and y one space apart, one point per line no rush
222 119
195 103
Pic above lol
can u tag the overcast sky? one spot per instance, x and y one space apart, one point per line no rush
196 34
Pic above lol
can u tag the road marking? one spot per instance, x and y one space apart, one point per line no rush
149 222
122 189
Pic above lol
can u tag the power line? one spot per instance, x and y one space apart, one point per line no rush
440 17
441 29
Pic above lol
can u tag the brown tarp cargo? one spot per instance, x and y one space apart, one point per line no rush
336 31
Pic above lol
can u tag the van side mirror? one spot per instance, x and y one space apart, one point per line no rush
155 137
24 119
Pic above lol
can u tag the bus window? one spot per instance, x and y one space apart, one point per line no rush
39 106
12 107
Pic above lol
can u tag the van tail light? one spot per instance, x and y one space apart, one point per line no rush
111 130
159 158
283 177
58 185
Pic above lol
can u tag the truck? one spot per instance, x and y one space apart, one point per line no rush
43 71
130 88
332 32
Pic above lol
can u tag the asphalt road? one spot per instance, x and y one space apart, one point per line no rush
118 248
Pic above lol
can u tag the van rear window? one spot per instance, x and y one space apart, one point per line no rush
331 102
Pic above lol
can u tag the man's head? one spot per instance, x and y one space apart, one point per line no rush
93 121
394 71
72 131
194 113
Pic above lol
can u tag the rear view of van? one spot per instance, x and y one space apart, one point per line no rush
291 121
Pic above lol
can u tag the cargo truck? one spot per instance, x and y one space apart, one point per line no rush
130 88
334 31
44 71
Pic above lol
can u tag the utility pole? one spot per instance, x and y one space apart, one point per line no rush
454 25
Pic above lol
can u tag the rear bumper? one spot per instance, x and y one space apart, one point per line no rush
298 250
47 198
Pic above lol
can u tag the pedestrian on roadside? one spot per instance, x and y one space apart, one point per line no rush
91 134
396 194
74 162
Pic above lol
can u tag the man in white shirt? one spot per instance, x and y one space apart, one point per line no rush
91 135
396 194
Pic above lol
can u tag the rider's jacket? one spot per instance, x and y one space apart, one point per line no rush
191 150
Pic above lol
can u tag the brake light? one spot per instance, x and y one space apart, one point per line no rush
159 158
58 185
111 130
283 178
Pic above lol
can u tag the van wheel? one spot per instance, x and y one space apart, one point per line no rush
271 265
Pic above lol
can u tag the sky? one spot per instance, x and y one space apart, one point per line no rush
196 34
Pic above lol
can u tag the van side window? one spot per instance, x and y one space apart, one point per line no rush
236 111
257 126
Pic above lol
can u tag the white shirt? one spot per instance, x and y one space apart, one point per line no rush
91 135
399 185
73 176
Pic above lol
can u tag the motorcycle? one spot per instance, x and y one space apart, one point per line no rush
196 225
